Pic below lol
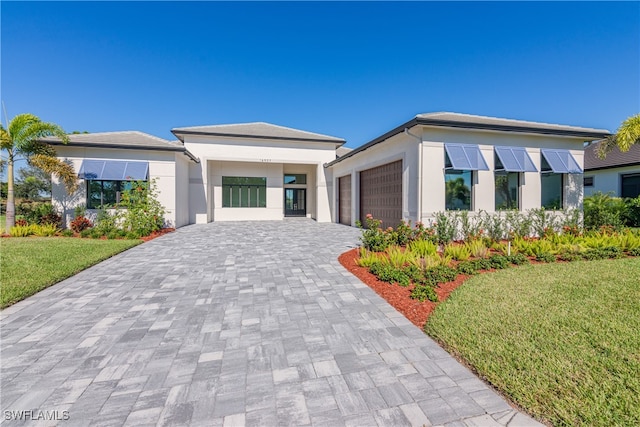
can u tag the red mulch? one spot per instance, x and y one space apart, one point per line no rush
158 233
417 312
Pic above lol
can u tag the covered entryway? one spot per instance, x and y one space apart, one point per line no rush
381 193
344 200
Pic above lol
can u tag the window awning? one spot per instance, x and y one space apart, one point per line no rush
113 170
465 157
561 161
515 159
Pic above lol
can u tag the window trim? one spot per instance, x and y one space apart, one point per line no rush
229 204
471 190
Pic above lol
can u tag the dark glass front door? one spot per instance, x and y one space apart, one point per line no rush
295 202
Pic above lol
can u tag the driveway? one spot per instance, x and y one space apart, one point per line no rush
245 323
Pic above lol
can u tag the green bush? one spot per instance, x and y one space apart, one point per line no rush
518 259
86 233
569 256
373 238
634 252
413 273
45 230
467 267
482 264
95 233
132 235
144 213
457 252
389 274
602 210
440 274
545 257
67 233
21 230
423 293
632 212
499 262
445 226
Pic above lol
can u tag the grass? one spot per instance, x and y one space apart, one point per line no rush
30 264
562 340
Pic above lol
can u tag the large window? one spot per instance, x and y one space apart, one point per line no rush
507 190
105 194
630 185
458 190
244 192
551 185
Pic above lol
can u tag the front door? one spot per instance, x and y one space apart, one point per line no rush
295 202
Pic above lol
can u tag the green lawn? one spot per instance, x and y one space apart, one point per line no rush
561 340
30 264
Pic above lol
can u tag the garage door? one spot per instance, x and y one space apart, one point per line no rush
381 193
344 199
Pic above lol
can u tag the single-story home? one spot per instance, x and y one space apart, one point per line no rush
618 173
259 171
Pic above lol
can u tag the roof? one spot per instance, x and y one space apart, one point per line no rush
469 121
614 159
124 139
341 151
260 130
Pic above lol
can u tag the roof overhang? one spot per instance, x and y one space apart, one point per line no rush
180 134
177 148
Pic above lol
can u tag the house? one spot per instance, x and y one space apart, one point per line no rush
617 173
258 171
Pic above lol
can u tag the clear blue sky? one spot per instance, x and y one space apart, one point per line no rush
352 70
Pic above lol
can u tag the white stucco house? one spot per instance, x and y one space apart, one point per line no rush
259 171
618 173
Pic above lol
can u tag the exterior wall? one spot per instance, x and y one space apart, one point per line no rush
257 158
399 147
162 167
483 193
608 180
182 190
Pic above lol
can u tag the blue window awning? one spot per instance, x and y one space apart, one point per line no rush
465 157
515 159
113 170
561 161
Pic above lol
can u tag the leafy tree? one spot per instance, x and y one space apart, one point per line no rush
627 135
23 139
32 183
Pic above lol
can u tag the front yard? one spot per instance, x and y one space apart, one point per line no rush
30 264
562 340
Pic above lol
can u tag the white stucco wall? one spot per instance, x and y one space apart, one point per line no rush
162 168
608 180
221 156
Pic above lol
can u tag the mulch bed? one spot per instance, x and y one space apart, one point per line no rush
158 233
399 297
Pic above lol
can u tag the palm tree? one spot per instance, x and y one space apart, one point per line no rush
628 134
22 139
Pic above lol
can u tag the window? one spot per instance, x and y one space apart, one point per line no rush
244 192
105 194
630 185
551 185
295 179
507 186
588 181
460 160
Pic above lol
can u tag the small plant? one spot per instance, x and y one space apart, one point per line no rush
80 223
373 238
414 273
478 249
445 227
389 274
106 221
457 252
21 231
21 222
67 233
132 235
545 257
427 262
424 293
494 226
482 264
569 256
143 213
86 233
543 222
518 259
95 233
80 210
440 274
423 248
467 267
397 257
499 262
45 230
634 252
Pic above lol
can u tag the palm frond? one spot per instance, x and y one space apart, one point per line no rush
605 146
628 133
63 170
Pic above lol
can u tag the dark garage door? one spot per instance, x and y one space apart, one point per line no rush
344 202
381 193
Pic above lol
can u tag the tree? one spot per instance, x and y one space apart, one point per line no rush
32 183
627 135
23 139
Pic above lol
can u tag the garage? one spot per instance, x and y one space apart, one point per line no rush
381 193
344 200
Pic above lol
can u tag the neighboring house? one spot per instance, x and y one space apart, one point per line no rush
617 173
252 171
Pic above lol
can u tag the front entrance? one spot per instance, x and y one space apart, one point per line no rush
295 202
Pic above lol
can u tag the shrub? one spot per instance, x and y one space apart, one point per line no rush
95 233
21 231
440 274
545 257
389 274
518 259
457 252
414 273
482 264
106 222
144 213
80 210
467 267
45 230
132 235
543 223
517 224
21 222
445 226
632 212
86 233
403 233
114 234
80 223
427 262
569 256
499 261
603 210
494 226
423 293
373 238
41 213
67 233
367 257
634 252
397 257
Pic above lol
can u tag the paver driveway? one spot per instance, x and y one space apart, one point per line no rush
228 324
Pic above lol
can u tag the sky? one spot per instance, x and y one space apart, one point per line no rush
354 70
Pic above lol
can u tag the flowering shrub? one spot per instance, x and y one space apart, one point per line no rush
21 222
144 213
80 223
373 237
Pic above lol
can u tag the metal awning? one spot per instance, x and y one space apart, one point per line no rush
561 161
113 170
515 159
465 157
